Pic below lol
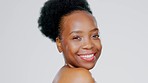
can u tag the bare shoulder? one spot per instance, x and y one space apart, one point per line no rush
82 76
74 75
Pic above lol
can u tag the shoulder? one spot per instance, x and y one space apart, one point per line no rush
74 75
82 76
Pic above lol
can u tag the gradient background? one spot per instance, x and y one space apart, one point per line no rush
28 57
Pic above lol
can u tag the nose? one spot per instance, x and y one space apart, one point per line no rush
88 44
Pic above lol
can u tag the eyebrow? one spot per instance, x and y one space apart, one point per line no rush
95 29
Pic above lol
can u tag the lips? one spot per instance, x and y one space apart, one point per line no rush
88 57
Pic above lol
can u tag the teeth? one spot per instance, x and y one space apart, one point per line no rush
88 56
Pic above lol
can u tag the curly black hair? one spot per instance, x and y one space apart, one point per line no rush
52 13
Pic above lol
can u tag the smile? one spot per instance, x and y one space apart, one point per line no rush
88 57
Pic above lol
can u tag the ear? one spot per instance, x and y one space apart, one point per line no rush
59 44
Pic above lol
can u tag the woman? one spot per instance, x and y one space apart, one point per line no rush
72 26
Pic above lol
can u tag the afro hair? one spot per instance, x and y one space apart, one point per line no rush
52 13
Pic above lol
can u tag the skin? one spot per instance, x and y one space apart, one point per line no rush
79 38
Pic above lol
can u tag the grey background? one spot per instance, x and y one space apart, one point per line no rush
28 57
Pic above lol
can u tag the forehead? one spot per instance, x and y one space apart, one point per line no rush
78 19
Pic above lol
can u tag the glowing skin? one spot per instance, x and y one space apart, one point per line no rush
79 40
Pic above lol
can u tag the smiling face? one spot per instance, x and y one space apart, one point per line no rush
79 40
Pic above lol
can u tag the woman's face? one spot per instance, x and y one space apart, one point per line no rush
79 42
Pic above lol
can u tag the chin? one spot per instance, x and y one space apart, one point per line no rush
88 67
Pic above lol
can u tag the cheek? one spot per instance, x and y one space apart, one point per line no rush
72 47
98 45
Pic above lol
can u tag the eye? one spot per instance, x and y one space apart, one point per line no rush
95 36
77 38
